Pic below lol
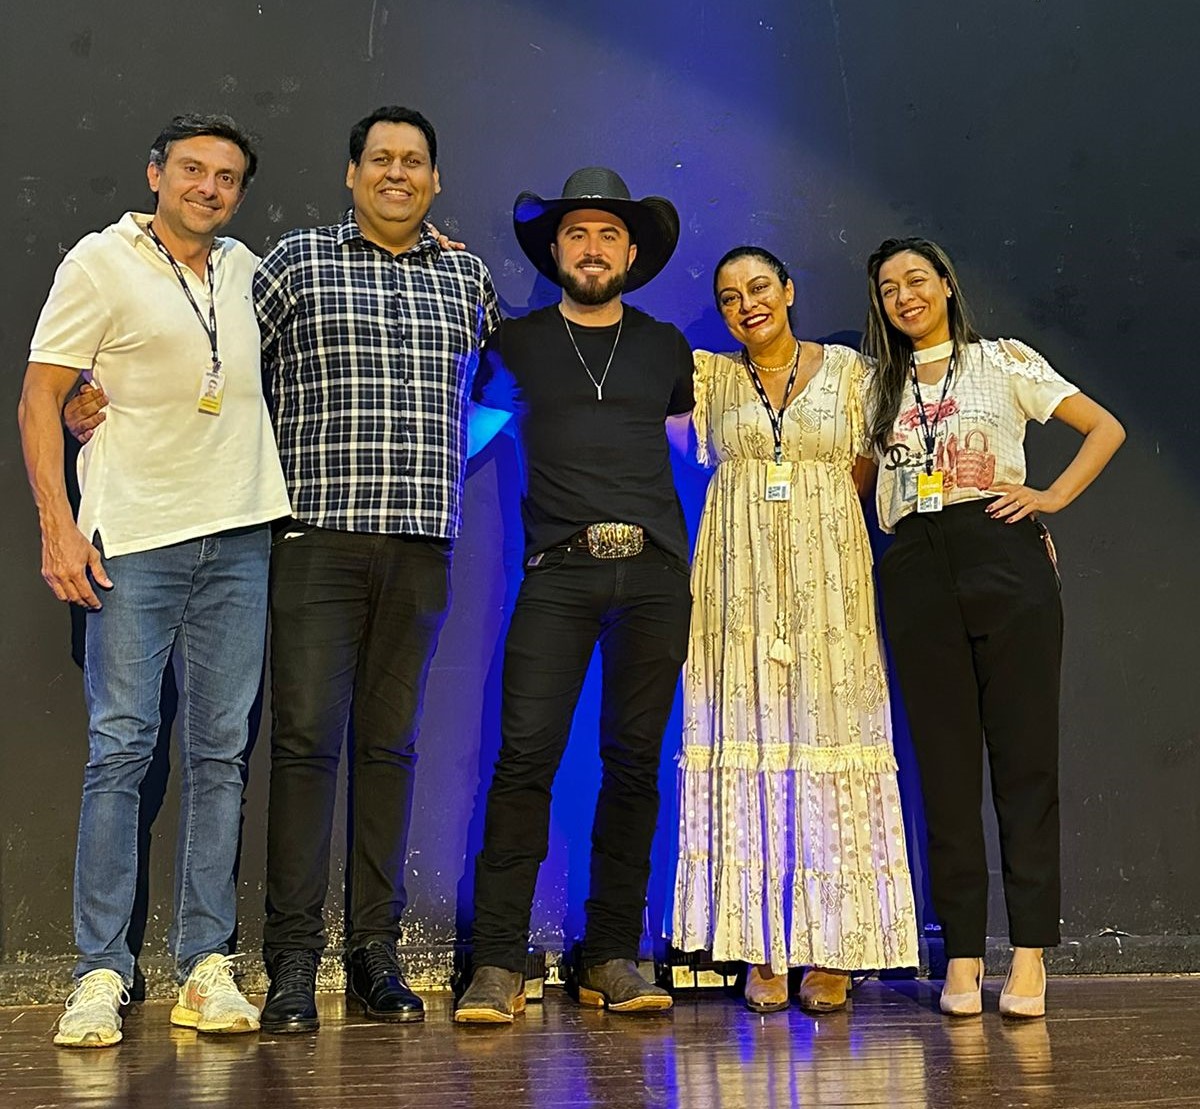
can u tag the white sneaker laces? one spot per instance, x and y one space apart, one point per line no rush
98 986
214 978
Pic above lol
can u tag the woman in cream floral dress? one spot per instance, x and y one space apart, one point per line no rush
791 849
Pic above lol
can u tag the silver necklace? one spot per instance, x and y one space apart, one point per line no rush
587 369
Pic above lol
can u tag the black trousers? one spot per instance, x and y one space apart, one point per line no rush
355 620
638 610
975 625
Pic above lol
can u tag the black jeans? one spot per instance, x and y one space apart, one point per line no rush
975 625
355 620
638 610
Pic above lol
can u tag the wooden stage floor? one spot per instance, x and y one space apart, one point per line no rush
1107 1042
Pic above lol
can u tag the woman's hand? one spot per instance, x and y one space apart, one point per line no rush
1102 435
1018 501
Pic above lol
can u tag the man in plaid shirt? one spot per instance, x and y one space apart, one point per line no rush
371 335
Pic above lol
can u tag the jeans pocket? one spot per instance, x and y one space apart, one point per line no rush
676 566
441 550
545 561
289 530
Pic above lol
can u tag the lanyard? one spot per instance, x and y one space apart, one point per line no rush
210 328
775 417
928 430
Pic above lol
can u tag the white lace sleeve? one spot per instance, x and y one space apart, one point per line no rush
1037 387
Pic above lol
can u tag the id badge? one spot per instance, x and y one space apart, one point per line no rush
929 492
212 390
779 481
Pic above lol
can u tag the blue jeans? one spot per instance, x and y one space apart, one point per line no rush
204 603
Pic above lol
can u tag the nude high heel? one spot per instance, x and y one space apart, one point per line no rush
1018 1005
965 1004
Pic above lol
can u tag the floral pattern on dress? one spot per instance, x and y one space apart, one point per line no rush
791 843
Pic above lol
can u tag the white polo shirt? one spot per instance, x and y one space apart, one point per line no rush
158 470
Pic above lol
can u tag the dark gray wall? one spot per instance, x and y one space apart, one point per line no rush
1050 147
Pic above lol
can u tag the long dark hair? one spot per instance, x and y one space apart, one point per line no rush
890 349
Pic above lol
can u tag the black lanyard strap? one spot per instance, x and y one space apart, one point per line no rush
776 417
210 328
928 430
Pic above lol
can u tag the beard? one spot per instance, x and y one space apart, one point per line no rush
594 288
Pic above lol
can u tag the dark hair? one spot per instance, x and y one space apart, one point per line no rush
890 349
192 126
749 252
392 113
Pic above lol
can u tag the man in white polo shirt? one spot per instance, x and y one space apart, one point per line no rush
169 554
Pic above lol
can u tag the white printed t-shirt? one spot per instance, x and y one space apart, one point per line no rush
158 471
980 437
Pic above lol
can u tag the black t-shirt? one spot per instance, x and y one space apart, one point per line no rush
589 460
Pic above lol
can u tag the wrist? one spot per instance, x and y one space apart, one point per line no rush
1053 500
56 518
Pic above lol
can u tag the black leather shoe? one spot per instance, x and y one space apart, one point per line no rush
292 999
376 984
493 996
616 985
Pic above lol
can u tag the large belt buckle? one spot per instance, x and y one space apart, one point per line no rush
614 540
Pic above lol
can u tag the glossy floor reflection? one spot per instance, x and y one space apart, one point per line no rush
1107 1042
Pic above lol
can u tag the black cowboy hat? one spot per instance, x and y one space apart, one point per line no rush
652 221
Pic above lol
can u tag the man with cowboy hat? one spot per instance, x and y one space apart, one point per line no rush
591 381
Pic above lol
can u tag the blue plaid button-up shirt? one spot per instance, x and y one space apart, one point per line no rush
368 360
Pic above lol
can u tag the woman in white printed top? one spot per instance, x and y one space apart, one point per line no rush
971 599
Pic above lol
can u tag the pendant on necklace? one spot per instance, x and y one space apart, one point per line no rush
586 368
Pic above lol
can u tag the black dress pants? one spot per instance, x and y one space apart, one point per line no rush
974 621
638 610
355 620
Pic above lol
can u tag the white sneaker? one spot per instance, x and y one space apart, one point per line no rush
209 1001
93 1016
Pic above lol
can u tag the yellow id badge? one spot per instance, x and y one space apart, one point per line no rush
779 481
212 390
929 492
